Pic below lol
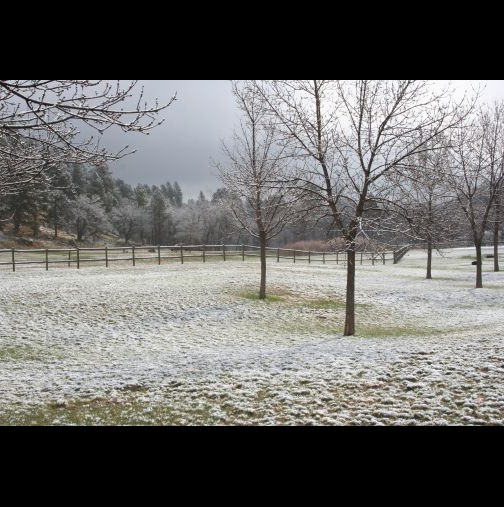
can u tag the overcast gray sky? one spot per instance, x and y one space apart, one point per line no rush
182 148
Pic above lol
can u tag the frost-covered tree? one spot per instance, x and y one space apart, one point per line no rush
167 191
162 227
79 178
87 218
351 135
126 218
101 186
177 195
254 167
23 208
141 195
477 172
60 193
124 190
39 125
423 199
189 222
497 214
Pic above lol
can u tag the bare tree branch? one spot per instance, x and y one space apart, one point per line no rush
39 122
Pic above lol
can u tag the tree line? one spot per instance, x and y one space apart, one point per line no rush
89 202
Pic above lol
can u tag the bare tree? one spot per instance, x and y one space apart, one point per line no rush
424 201
126 218
87 218
497 222
351 134
255 165
496 148
39 122
478 171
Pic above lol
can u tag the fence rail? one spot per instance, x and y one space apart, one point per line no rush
399 254
14 257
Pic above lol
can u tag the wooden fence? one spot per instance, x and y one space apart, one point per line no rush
399 254
180 253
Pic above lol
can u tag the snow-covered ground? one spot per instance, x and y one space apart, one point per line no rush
182 344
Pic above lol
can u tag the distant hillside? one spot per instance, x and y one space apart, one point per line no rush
46 239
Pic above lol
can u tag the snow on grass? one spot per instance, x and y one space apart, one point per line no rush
188 344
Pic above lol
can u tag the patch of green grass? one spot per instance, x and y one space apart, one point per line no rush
270 298
89 412
323 304
373 331
327 304
19 354
129 410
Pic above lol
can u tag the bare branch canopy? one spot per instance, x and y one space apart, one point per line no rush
40 120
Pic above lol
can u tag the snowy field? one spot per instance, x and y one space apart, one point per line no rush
187 344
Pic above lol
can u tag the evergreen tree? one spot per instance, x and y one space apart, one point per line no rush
79 175
142 193
177 195
168 192
124 189
159 216
101 185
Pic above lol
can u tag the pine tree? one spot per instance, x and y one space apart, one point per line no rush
177 197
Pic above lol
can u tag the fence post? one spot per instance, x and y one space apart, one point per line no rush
394 252
133 254
361 257
372 259
69 256
181 254
78 258
203 253
278 254
323 257
159 255
336 257
294 256
13 260
224 252
243 253
383 255
106 257
309 257
46 259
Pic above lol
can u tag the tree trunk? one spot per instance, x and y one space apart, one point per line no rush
496 245
35 227
81 229
429 239
429 260
262 289
56 218
17 222
479 278
350 295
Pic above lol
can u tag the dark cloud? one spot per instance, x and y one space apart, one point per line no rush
181 148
